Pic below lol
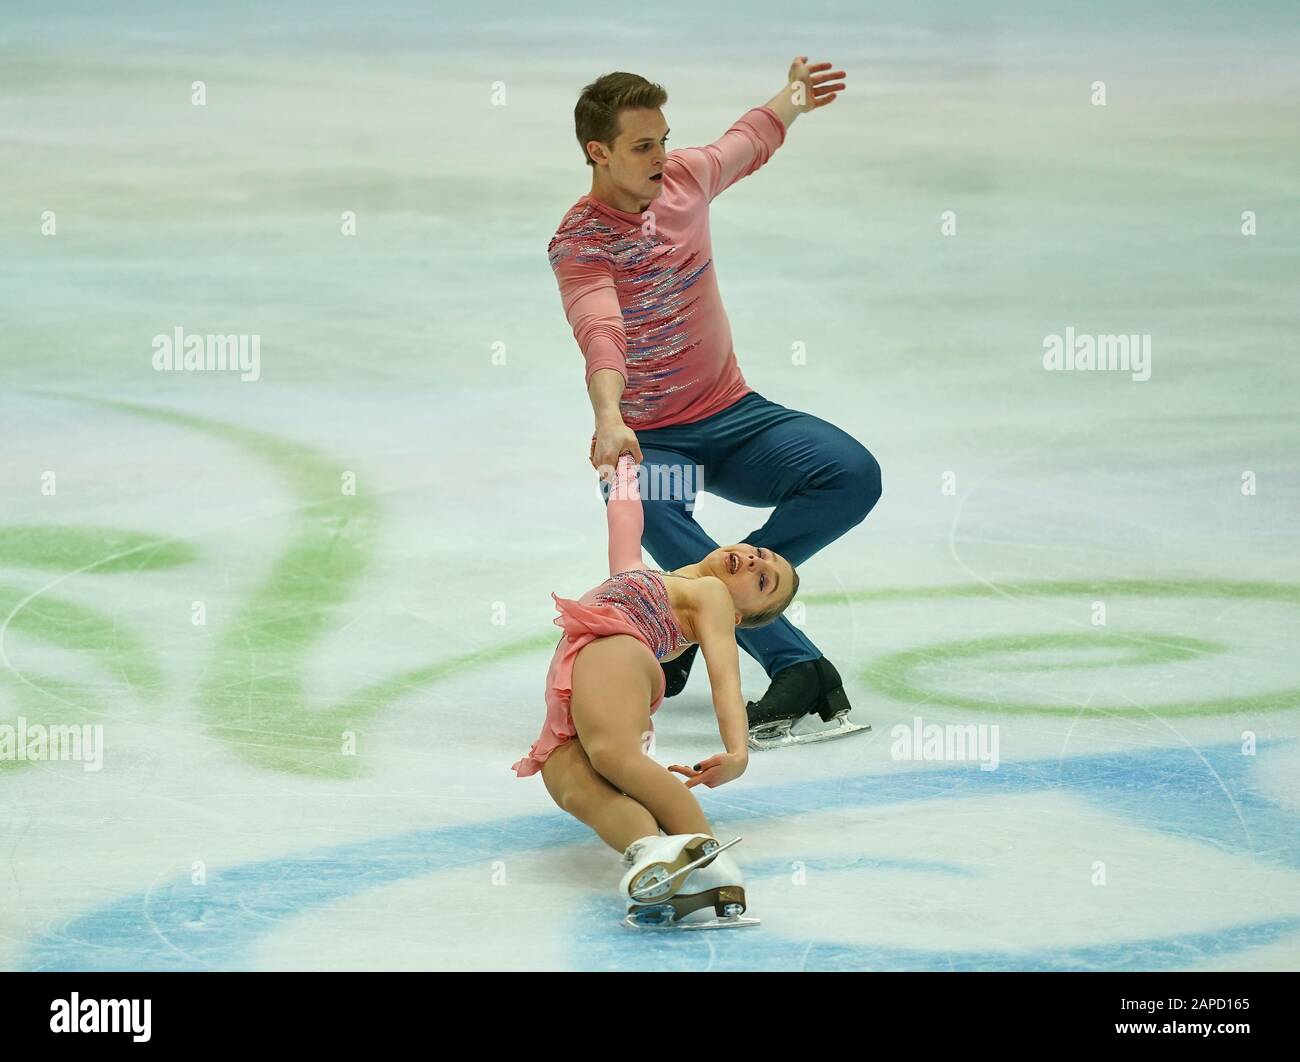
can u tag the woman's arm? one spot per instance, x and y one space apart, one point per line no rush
715 627
626 521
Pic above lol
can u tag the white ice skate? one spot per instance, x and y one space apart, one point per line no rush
710 897
657 864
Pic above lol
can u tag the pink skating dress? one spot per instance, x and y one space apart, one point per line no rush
633 600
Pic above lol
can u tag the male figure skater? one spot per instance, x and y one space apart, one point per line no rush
634 263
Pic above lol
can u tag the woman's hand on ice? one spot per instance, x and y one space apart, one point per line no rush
715 770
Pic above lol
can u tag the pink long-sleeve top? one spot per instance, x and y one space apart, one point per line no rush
641 291
625 517
632 588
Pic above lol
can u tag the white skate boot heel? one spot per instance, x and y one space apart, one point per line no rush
710 897
659 864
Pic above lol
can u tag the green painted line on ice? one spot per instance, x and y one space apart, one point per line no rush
895 674
50 701
90 550
252 698
69 625
44 700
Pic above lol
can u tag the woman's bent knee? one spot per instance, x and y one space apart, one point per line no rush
570 781
580 801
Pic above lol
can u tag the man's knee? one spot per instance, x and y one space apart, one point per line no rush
862 484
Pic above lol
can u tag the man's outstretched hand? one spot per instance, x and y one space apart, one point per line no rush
818 87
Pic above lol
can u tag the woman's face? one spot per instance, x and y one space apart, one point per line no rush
757 578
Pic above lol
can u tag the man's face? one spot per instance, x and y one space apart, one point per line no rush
637 162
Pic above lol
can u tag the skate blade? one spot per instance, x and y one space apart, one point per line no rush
806 730
664 887
739 922
727 901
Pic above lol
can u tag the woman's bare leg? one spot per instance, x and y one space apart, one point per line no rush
614 679
576 787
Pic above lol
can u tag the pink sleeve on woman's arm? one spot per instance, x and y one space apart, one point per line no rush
741 150
626 521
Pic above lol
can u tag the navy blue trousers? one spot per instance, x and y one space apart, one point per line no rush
821 480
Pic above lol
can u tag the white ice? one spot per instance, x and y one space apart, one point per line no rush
1142 815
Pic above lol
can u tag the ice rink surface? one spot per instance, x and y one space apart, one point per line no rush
311 612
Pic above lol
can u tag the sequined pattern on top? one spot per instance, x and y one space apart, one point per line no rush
654 297
640 595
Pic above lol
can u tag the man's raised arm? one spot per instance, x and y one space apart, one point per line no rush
755 136
807 88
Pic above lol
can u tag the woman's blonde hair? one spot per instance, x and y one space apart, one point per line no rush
762 619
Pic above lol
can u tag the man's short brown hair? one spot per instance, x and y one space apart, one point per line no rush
596 115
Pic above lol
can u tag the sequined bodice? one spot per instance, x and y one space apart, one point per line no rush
640 595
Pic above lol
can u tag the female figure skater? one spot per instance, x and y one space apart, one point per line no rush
605 683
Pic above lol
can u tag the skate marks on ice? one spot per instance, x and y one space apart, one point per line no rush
1010 882
1082 657
47 619
1175 825
252 697
252 701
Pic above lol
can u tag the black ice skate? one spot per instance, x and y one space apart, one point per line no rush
676 672
805 703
